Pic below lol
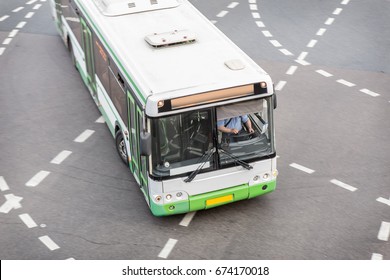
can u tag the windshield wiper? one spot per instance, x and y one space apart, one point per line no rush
205 158
237 160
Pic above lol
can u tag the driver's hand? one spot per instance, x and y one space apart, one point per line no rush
251 130
234 131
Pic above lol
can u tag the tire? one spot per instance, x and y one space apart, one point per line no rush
121 147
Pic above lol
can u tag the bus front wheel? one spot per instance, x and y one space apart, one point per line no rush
121 147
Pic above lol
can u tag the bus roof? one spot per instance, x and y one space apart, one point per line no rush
170 51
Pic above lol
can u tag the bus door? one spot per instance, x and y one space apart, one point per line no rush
88 53
138 163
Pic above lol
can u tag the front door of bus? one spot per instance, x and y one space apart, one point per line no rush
88 53
138 163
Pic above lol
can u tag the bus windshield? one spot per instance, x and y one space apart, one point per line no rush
187 141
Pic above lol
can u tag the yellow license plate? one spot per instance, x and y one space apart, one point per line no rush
218 200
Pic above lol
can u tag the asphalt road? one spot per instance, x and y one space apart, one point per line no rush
330 64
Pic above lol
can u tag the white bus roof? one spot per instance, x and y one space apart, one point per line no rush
168 48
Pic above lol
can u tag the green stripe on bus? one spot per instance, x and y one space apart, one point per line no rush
138 92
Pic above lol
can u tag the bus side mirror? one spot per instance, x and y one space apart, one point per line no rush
274 100
145 144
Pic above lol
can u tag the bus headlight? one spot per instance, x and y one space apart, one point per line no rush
266 176
275 173
157 198
168 196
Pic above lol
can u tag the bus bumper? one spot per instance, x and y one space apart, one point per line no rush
212 199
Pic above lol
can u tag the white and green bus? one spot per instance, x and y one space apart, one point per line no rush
164 78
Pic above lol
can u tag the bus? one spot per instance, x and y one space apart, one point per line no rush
164 78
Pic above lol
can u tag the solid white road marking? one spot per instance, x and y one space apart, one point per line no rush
3 184
84 136
233 5
384 231
312 43
324 73
222 14
302 168
321 31
292 70
383 200
37 179
167 248
376 256
280 85
61 157
49 242
27 220
369 92
4 17
346 83
187 219
13 202
343 185
329 21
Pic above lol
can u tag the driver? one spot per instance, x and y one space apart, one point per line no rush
234 125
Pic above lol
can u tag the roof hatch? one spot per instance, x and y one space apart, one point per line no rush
176 37
123 7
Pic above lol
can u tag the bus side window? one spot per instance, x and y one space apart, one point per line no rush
73 19
101 62
117 93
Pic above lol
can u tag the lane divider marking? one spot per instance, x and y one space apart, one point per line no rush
167 248
3 184
343 185
49 243
27 220
84 136
384 231
61 157
187 219
302 168
37 178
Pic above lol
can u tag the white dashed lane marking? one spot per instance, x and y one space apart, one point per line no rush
49 243
222 14
21 24
27 220
280 85
343 185
369 92
346 83
384 231
37 179
329 21
167 248
187 219
383 200
4 18
321 31
29 15
324 73
84 136
61 157
302 168
376 256
291 70
3 184
100 120
17 9
233 5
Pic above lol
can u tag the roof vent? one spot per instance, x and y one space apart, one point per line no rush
235 64
176 37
